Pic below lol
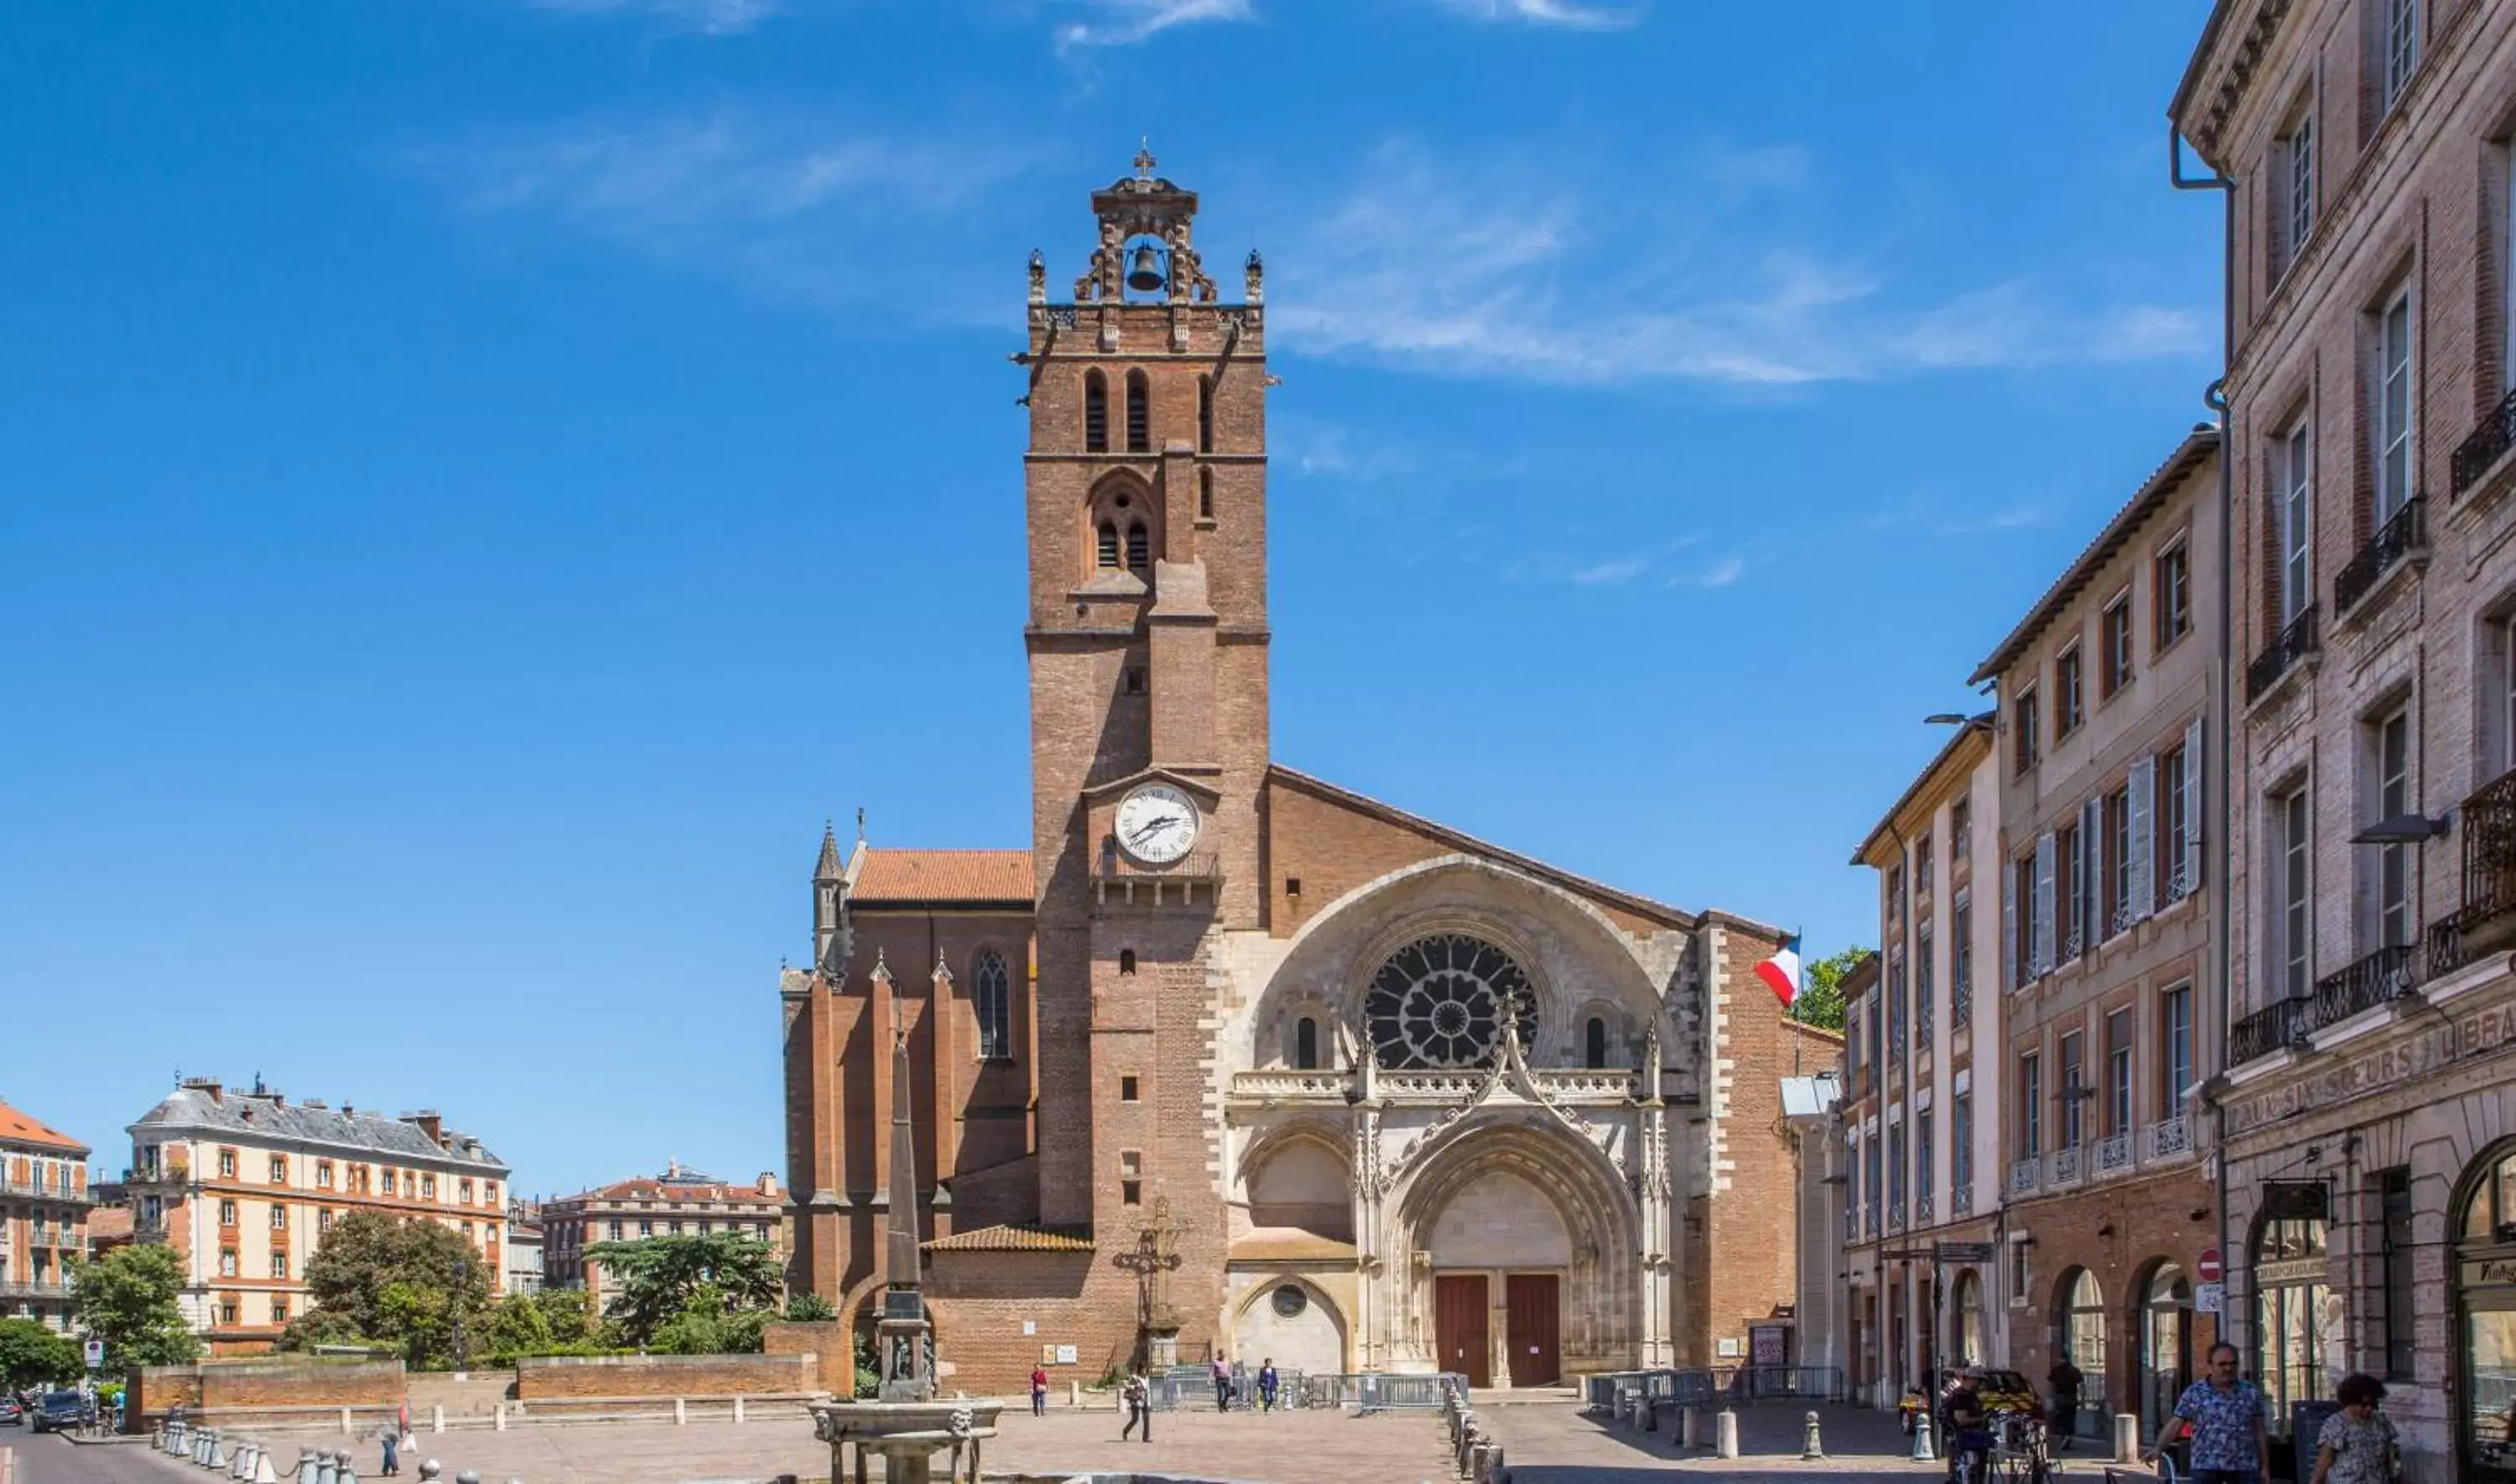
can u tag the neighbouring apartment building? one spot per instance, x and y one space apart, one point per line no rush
679 1203
2109 692
245 1185
2369 1106
523 1247
1924 1143
44 1205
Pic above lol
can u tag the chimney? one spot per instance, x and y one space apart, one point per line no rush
429 1122
767 1182
209 1085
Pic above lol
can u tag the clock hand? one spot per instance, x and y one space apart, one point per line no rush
1150 826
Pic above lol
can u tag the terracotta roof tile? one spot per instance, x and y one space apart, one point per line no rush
108 1222
1010 1239
940 875
18 1127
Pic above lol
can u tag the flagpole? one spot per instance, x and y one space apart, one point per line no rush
1799 987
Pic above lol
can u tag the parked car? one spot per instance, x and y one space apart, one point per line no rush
12 1415
60 1411
1998 1391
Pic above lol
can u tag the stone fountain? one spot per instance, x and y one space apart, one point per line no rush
907 1424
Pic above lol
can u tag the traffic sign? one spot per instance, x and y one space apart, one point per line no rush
96 1355
2209 1298
2207 1268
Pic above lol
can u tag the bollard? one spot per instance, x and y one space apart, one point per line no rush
1651 1414
681 1413
1923 1453
307 1467
1691 1428
737 1411
1812 1443
349 1474
467 1476
436 1418
328 1469
236 1460
502 1417
345 1421
1725 1434
262 1472
428 1470
1074 1396
2126 1438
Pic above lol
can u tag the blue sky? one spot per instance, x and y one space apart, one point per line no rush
481 480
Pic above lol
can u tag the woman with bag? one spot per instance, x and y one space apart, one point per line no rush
2357 1443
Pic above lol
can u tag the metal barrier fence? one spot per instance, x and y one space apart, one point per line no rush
1614 1392
1192 1388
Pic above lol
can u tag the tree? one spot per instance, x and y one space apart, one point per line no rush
127 1300
568 1314
1821 1000
659 1276
809 1307
708 1326
31 1355
322 1327
405 1283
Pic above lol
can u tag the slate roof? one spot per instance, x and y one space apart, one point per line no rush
1010 1239
17 1128
685 1185
964 877
263 1116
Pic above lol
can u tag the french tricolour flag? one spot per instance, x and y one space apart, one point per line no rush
1781 972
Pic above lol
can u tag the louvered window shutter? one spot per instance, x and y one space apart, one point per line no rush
2041 959
2092 867
2192 798
2009 925
2142 786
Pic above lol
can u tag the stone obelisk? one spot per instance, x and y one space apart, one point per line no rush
904 1339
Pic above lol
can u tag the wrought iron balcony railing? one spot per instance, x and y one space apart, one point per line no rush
1962 1197
2268 1029
2290 645
2401 536
2488 820
2168 1136
2475 455
2025 1175
2114 1153
2063 1165
1922 1216
2387 975
1961 1008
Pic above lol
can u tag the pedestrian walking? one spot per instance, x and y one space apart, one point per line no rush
1138 1397
1267 1383
391 1440
2356 1444
2066 1379
1222 1384
1039 1391
2231 1441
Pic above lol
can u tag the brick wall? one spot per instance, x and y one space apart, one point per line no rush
217 1388
1754 1241
560 1377
981 1301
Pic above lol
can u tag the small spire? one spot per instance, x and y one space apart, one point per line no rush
861 824
1143 157
828 868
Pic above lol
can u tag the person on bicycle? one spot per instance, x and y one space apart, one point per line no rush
1969 1440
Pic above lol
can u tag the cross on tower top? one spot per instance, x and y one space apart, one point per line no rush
1144 158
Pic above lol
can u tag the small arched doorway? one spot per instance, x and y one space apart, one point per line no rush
2165 1328
2485 1276
2083 1341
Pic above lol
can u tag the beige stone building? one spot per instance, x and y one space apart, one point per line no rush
2365 151
44 1206
681 1202
245 1185
2109 701
1230 1059
1923 1057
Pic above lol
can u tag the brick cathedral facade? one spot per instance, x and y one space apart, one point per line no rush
1235 1059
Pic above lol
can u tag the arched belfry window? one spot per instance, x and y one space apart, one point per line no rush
1109 547
992 1001
1205 414
1140 414
1126 961
1096 413
1306 1044
1594 1044
1140 557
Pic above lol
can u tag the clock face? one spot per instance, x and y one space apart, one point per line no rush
1157 824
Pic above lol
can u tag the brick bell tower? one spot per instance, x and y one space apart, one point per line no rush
1147 495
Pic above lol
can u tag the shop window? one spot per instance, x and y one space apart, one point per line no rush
2165 1346
2293 1283
2486 1344
2085 1322
2394 1200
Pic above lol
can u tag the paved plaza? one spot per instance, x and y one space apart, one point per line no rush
1548 1440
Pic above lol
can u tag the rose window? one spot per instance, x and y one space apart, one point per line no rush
1439 1002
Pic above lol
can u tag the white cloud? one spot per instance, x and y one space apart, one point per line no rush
1612 573
715 17
1562 14
1525 269
804 208
1126 23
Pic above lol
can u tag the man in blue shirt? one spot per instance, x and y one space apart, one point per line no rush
2231 1439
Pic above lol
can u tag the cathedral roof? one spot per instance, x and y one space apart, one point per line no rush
960 878
1010 1239
20 1129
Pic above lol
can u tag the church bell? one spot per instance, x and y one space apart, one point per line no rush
1146 277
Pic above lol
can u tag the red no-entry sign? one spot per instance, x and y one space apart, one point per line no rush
2207 1269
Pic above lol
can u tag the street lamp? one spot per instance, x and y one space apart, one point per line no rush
2405 829
462 1270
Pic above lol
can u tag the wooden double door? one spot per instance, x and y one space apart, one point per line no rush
1463 1335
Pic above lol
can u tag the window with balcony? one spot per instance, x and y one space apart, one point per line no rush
2175 1031
2295 509
2030 1105
2118 859
2070 890
2075 1090
2119 1102
2392 386
1961 963
2025 726
1961 1145
2171 590
1923 1162
1926 1002
2114 632
2176 818
2389 745
1872 1186
2070 692
2291 882
1896 1173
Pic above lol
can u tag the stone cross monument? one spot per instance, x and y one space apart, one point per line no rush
904 1339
